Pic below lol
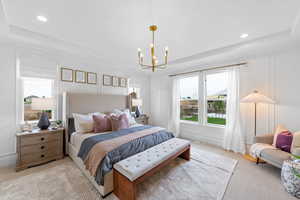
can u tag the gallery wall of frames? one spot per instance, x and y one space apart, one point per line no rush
78 76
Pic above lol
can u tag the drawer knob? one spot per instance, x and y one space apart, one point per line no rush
42 147
42 156
42 138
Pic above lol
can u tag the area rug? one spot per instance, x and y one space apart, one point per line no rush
205 177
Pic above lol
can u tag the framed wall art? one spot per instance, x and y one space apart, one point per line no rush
66 74
91 78
80 76
115 81
123 82
107 80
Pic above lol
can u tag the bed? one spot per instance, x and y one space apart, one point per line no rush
87 103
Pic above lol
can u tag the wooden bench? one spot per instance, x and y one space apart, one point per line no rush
135 169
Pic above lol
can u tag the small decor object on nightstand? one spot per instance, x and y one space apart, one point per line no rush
136 103
43 104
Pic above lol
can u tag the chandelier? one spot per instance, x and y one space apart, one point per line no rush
154 61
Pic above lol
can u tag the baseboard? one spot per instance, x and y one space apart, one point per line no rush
8 160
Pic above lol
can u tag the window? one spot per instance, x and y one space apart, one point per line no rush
34 88
189 99
216 94
213 91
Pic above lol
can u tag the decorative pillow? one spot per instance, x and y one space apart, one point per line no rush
295 143
284 141
280 128
84 123
119 122
131 119
101 123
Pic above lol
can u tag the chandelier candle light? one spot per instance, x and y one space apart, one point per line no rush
154 62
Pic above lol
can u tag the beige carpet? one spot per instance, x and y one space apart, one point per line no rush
204 177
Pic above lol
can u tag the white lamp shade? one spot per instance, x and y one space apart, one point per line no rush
137 102
256 97
42 104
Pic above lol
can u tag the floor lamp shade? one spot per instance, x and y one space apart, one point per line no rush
255 97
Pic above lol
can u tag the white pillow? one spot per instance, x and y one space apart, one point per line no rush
128 114
84 123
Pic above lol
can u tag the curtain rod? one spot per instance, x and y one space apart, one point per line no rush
208 69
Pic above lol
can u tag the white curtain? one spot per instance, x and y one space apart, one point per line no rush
233 137
174 114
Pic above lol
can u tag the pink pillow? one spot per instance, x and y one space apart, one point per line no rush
102 123
119 122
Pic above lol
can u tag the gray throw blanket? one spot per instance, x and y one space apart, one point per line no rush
123 151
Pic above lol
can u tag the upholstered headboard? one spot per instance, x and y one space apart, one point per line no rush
87 103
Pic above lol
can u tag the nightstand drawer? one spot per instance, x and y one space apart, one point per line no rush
40 138
37 148
39 157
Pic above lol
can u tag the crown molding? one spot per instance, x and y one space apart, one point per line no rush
272 44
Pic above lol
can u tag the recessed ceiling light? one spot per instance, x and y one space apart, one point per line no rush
41 18
244 35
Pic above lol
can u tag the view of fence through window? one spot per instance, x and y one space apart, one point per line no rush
35 88
216 91
189 98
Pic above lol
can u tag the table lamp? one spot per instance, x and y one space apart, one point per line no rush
43 104
136 103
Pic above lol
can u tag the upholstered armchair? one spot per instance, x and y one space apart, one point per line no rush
274 157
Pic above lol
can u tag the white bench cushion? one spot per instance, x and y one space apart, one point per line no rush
137 165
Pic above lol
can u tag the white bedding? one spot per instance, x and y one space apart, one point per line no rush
77 138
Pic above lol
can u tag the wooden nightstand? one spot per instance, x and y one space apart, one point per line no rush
37 147
143 119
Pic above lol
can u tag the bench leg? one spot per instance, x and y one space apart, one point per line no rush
186 154
124 189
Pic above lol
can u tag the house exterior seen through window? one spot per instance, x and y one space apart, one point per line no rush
209 103
216 95
189 99
34 88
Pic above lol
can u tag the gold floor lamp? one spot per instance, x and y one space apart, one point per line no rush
255 97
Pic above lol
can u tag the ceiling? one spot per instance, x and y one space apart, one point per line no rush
114 29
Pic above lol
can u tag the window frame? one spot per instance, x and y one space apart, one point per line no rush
205 123
199 118
202 98
53 93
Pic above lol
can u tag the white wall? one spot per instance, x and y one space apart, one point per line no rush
7 104
275 75
46 64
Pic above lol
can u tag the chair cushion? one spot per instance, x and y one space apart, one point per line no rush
139 164
275 156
